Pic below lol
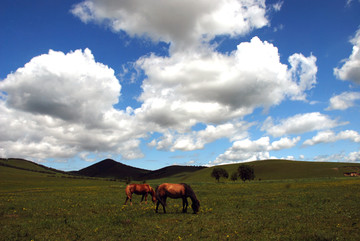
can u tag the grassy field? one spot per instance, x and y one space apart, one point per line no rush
39 206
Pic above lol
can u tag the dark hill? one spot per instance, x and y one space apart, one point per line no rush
111 169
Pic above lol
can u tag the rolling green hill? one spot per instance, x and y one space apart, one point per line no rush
281 169
264 170
27 165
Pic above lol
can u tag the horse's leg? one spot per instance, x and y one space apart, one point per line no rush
185 204
157 206
160 201
146 198
142 198
128 196
164 204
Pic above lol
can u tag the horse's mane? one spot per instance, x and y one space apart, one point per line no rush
190 193
188 189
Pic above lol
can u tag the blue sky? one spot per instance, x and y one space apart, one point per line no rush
159 82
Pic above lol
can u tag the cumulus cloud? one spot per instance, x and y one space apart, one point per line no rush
72 87
183 23
59 105
196 140
353 157
247 150
303 71
330 136
343 101
298 124
284 143
351 67
339 157
212 87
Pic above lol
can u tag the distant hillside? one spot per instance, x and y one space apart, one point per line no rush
264 170
27 165
282 169
170 171
111 169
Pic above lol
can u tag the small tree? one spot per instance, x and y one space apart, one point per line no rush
234 176
219 172
246 172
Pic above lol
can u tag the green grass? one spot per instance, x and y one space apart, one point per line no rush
36 206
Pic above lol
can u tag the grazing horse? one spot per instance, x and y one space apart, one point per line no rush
140 189
181 190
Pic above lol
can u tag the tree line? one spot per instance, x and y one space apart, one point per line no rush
244 172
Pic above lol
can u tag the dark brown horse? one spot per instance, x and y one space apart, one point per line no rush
140 189
181 190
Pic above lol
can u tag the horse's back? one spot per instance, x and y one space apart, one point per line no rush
171 189
139 188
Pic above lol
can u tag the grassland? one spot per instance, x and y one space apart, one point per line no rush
40 206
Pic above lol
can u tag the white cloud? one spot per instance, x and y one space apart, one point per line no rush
330 136
339 157
71 87
299 124
196 140
303 71
351 67
277 6
59 105
184 23
211 87
246 150
284 143
343 101
353 157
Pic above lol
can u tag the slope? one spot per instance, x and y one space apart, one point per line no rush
27 165
281 169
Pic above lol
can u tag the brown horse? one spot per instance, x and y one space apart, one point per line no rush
140 189
181 190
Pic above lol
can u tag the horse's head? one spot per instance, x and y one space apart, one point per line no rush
152 193
195 205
